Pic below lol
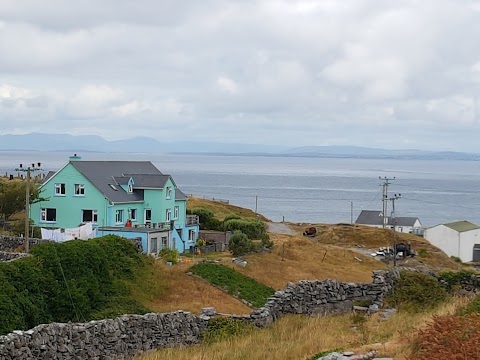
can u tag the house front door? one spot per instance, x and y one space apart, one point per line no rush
476 253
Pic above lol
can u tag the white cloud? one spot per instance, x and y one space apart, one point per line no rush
276 71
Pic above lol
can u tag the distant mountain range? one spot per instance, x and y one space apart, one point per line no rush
92 143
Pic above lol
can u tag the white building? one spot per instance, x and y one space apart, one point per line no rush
403 224
460 239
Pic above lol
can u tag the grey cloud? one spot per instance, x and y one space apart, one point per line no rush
278 72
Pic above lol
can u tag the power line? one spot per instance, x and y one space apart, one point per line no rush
28 170
386 183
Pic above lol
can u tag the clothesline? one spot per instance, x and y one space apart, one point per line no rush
83 232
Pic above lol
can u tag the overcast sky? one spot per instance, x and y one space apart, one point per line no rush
390 74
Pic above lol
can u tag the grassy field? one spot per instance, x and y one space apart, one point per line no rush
220 209
234 282
347 235
300 337
296 258
180 291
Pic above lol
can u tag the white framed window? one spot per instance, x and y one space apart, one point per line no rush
79 190
168 193
90 216
133 214
176 211
168 215
48 215
191 235
130 188
119 216
60 189
148 216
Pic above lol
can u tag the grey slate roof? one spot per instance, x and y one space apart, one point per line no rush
370 217
179 195
374 217
48 176
148 180
102 173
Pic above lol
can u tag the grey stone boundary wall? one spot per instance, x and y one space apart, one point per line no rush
12 243
10 256
125 336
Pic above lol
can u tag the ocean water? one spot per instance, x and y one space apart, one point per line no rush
308 189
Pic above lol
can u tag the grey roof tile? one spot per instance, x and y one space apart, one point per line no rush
102 173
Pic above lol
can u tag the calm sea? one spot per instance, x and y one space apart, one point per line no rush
308 189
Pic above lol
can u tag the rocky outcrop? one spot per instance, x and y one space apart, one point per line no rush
10 256
14 243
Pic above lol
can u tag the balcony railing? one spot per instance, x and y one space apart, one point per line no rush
192 220
158 226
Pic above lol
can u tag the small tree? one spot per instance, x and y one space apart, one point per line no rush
239 244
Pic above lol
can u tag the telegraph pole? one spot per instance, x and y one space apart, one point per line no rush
256 203
394 218
386 182
28 170
351 212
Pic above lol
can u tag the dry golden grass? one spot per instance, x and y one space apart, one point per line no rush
296 258
347 235
220 209
300 337
185 292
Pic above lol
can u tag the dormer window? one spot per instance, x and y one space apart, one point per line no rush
130 186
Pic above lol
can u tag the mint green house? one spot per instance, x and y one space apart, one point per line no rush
127 198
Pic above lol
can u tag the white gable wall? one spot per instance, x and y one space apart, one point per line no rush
453 243
445 238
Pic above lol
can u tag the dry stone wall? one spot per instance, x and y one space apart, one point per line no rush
13 243
10 256
119 338
123 337
324 297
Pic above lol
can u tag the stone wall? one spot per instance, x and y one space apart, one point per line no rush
119 338
9 256
14 243
324 297
132 334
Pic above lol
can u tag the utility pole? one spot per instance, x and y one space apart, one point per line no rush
28 170
351 212
394 221
386 182
256 203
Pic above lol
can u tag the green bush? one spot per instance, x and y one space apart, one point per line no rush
234 282
472 307
207 219
456 259
453 278
169 255
253 229
223 328
232 217
416 292
239 244
72 281
422 253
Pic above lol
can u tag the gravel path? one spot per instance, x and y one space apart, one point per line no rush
280 228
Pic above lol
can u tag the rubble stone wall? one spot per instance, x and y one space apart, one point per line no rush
125 336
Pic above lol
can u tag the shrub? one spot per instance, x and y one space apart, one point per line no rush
207 219
416 291
266 242
453 278
472 307
253 229
422 253
169 255
72 281
231 217
234 282
223 328
239 244
456 259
